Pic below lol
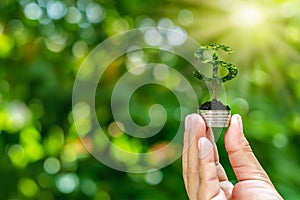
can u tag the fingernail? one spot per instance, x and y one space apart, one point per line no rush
204 146
240 121
190 122
236 119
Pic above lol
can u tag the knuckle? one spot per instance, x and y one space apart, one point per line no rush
245 146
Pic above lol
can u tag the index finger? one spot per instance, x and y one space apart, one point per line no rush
195 128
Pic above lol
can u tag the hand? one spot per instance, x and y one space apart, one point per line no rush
205 178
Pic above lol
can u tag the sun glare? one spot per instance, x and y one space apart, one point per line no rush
247 16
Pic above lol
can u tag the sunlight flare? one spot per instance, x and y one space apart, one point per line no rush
247 16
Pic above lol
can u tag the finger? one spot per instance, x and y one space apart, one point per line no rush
210 136
209 180
221 173
195 129
242 159
185 154
227 187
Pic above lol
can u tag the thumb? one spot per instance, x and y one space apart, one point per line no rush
242 159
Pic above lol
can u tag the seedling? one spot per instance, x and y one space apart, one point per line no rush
221 115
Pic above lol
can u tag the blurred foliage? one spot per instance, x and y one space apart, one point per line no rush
42 44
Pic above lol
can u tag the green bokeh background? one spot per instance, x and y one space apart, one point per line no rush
43 43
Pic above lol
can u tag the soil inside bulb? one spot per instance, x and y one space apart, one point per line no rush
214 104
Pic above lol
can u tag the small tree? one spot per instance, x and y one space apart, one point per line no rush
215 80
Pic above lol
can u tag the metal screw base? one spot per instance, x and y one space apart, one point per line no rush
216 118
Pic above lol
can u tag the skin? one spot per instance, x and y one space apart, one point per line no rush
205 178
